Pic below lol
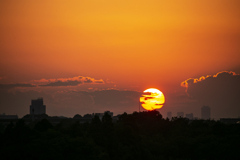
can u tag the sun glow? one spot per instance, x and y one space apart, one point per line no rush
152 99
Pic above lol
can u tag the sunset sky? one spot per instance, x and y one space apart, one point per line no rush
75 53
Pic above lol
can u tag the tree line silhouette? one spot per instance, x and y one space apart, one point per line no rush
144 135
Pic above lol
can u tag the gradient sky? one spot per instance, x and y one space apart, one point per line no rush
125 45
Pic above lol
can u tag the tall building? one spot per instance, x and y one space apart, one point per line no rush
37 107
205 112
180 114
169 115
189 116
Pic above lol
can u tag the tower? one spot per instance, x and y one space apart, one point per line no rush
37 107
205 112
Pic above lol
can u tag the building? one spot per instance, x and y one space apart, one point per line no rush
189 116
4 116
205 112
37 107
180 114
100 115
169 115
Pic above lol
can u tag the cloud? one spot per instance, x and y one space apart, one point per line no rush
220 91
61 83
146 98
190 81
69 103
87 80
18 102
74 81
9 86
119 101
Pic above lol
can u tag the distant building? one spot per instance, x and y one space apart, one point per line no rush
100 115
205 112
109 113
37 107
169 115
189 116
180 114
4 116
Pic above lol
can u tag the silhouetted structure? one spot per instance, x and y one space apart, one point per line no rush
37 107
189 116
180 114
100 115
169 115
205 112
4 116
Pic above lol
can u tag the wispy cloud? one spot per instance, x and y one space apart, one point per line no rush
74 81
61 83
15 85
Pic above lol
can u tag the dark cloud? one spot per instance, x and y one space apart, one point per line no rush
146 98
87 80
221 92
19 102
60 83
70 103
74 81
9 86
147 93
119 101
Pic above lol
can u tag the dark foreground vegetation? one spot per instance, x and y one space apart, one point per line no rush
144 135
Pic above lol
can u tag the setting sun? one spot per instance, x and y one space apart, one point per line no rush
152 99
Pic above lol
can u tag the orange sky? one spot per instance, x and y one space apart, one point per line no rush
146 43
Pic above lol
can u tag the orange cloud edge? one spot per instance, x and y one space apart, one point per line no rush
196 80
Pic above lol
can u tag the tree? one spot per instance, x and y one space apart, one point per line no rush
43 125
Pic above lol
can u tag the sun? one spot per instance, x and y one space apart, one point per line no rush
152 99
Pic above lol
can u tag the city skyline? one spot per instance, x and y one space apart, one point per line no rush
37 108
